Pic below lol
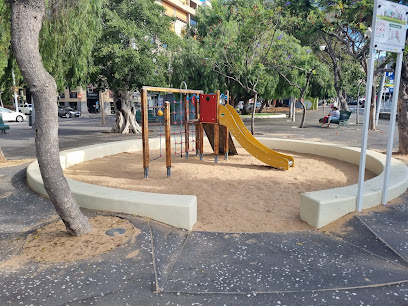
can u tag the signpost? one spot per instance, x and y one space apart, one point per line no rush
389 32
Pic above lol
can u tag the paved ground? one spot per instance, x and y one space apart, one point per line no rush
367 264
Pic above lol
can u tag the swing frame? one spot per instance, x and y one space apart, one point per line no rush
145 125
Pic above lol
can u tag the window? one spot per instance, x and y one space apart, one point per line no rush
193 23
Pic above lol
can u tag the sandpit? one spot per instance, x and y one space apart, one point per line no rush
238 195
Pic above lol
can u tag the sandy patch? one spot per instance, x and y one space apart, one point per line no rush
401 157
11 163
14 263
238 195
52 243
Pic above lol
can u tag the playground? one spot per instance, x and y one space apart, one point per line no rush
258 186
238 195
365 259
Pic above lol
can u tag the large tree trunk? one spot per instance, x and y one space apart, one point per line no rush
263 105
342 100
245 107
125 113
402 114
27 18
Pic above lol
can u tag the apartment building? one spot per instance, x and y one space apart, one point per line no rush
184 11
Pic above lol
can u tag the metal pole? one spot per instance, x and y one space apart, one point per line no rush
217 128
167 136
397 77
379 98
14 89
145 133
33 112
370 75
226 143
358 104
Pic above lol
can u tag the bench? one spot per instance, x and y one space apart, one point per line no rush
3 127
344 117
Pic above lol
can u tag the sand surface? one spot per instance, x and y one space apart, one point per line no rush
238 195
17 162
52 243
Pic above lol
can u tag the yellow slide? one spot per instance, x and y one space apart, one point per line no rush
230 118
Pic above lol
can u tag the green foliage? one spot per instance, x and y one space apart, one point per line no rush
136 46
190 65
4 36
7 60
249 44
68 35
237 36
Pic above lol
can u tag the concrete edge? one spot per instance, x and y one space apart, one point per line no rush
317 208
264 116
176 210
320 208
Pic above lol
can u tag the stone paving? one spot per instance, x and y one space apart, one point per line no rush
367 264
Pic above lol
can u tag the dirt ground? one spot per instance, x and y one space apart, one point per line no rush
52 243
238 195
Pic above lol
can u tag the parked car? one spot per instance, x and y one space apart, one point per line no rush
26 108
9 115
68 112
251 105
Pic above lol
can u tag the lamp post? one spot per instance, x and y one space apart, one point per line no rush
14 89
358 102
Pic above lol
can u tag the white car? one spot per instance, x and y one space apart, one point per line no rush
26 108
9 115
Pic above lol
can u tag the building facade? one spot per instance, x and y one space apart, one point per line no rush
184 11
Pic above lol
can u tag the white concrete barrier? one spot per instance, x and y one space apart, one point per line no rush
172 209
317 208
320 208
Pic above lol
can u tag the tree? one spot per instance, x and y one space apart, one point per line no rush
134 50
4 36
69 32
402 114
26 22
238 36
190 64
296 65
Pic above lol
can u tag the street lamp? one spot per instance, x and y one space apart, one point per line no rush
358 102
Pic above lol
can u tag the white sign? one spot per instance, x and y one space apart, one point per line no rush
390 26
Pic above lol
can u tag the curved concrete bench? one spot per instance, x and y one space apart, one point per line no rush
320 208
317 208
172 209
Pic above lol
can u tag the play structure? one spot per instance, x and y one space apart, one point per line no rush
186 120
